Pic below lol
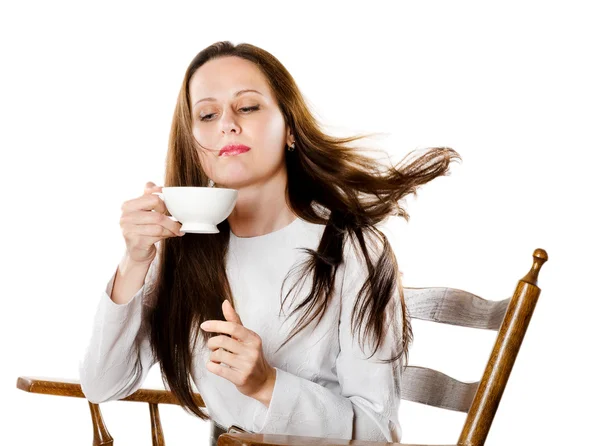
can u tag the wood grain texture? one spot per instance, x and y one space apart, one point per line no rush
428 386
101 435
69 387
455 307
158 438
503 356
72 388
445 305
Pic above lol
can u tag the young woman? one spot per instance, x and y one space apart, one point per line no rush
304 329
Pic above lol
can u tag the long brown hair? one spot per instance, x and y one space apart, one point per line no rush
324 173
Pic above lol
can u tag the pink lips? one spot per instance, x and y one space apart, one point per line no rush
233 149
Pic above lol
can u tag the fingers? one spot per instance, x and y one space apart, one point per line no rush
224 342
223 356
155 231
144 222
233 329
145 218
147 202
136 234
151 188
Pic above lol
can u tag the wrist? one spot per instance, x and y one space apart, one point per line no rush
129 264
266 393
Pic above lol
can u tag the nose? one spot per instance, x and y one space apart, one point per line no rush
229 124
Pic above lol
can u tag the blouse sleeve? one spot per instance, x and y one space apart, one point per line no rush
118 356
367 408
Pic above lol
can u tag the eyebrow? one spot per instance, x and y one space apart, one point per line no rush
248 90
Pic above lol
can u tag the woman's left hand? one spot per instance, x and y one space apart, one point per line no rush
243 353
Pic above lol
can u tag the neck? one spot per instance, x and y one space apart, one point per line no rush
261 208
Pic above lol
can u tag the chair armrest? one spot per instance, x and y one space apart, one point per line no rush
72 388
294 440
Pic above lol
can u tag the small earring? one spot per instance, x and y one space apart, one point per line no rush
292 147
211 183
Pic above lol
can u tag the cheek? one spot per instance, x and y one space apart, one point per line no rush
202 137
206 162
205 155
273 135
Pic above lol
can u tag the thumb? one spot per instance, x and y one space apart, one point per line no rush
151 188
229 313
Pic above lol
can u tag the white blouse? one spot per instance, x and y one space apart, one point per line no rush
325 385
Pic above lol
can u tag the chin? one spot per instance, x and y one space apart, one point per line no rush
242 178
233 184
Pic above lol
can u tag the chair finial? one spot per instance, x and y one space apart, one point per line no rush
540 256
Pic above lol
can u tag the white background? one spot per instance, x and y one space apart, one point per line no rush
88 91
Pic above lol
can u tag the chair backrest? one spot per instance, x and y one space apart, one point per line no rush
510 317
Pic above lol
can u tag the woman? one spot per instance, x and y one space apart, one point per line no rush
305 328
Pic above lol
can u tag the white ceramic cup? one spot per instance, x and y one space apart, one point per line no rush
199 209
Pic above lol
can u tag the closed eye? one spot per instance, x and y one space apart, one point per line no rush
256 107
243 109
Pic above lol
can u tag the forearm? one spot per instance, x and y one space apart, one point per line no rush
118 354
299 406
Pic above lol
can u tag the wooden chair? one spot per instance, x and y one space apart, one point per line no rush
480 400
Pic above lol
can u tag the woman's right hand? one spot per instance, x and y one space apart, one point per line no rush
144 222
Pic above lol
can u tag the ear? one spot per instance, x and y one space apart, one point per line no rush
289 137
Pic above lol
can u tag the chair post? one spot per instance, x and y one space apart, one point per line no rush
157 433
502 358
101 435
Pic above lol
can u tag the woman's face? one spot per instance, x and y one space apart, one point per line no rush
224 113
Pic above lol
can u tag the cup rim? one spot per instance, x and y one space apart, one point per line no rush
199 187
